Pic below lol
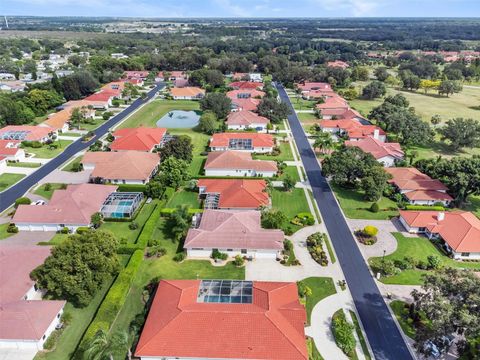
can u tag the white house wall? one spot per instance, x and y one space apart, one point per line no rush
256 254
235 172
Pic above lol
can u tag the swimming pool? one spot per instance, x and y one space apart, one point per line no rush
179 119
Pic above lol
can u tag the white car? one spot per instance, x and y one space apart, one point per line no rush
39 202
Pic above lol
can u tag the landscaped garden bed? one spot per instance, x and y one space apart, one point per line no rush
315 247
368 235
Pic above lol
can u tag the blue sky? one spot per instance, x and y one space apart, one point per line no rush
243 8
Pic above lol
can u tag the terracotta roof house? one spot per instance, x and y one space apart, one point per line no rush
315 90
245 85
138 139
72 208
26 132
136 82
238 163
234 232
385 153
459 230
241 120
101 100
250 320
87 106
122 167
173 75
239 76
418 188
114 87
187 93
233 193
252 142
338 63
11 151
136 74
26 321
245 94
333 107
353 129
59 120
249 104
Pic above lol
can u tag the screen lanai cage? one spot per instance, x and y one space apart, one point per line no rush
121 205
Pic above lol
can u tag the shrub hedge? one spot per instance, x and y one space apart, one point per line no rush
169 211
169 192
149 226
424 207
115 298
131 188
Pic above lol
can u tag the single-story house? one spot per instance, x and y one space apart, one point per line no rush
245 94
12 86
101 100
142 75
252 142
255 77
332 107
234 232
224 319
245 85
238 163
26 133
11 150
59 120
86 107
138 139
71 208
121 167
459 230
187 93
172 75
315 90
418 188
181 83
115 88
338 63
240 76
385 153
241 120
233 193
26 321
353 129
7 76
249 104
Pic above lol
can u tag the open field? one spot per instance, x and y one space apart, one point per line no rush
7 180
290 202
149 114
355 207
418 248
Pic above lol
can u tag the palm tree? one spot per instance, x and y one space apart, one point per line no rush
323 142
102 346
180 221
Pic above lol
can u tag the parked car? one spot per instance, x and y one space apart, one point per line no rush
39 202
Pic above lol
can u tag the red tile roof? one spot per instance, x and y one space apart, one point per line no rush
9 147
338 63
242 85
245 93
102 96
460 230
237 193
377 148
237 160
249 104
413 179
73 206
21 319
272 327
246 118
135 74
139 139
334 102
308 86
189 91
238 229
258 140
35 133
123 165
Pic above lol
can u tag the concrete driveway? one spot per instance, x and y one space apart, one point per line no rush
67 177
27 238
17 354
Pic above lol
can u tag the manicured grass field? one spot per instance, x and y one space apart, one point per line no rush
184 197
72 134
69 166
47 194
361 338
196 166
24 164
199 139
149 114
418 248
166 268
7 180
290 202
301 104
289 170
355 207
307 117
322 287
3 231
285 152
121 229
401 313
45 153
313 353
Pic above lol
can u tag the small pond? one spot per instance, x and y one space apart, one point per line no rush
179 119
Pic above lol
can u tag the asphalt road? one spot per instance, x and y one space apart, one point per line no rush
383 335
9 196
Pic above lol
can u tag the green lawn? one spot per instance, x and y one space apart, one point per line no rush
289 170
340 314
55 240
72 134
7 180
290 202
184 197
322 287
70 165
3 231
81 318
301 104
196 166
474 205
45 153
285 152
355 207
149 114
121 229
47 194
401 313
199 139
166 268
313 353
418 248
24 164
307 117
91 125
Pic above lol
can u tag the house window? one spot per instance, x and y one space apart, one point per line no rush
44 337
244 251
58 316
197 248
229 249
465 254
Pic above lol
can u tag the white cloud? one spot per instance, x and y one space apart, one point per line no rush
354 7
